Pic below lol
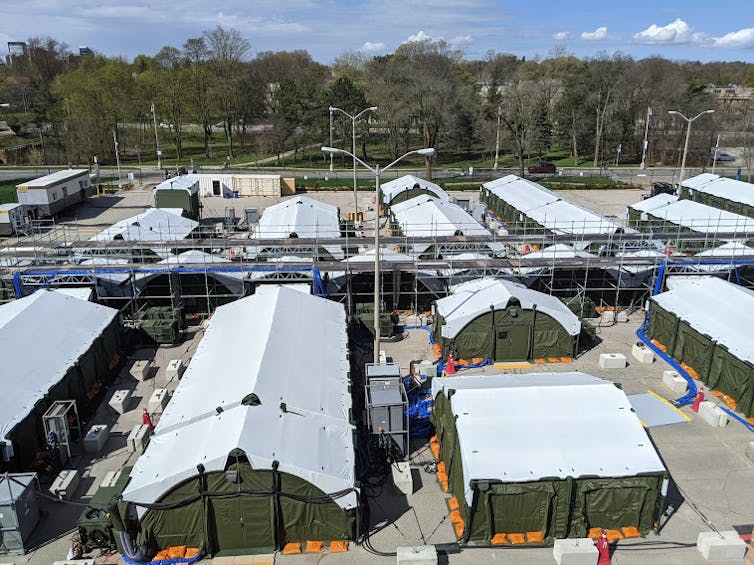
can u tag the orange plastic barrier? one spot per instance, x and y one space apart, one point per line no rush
455 516
630 532
517 539
191 552
499 539
314 546
338 546
453 504
435 449
176 552
535 537
459 529
292 548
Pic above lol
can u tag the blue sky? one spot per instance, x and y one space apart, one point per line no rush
690 29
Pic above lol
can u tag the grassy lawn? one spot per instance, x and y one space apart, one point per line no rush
8 190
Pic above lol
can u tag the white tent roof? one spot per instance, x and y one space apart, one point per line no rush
186 182
548 209
307 217
522 194
702 218
261 344
41 337
730 249
474 298
568 218
557 251
716 308
566 412
386 254
393 188
654 202
427 216
722 187
155 224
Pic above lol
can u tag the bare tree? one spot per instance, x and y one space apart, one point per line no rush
227 49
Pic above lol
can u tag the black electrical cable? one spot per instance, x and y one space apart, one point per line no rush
223 494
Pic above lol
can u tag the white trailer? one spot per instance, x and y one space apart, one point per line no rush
50 194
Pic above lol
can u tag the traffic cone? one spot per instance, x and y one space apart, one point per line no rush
146 419
698 400
450 366
603 548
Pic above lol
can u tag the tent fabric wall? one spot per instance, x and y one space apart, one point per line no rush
246 516
558 506
695 321
76 349
545 337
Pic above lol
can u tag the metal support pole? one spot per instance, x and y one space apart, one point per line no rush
331 155
646 140
376 265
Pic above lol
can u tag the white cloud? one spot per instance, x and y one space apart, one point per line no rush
561 35
675 32
373 46
461 40
418 37
598 34
741 39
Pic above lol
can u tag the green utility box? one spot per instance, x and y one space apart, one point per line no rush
95 526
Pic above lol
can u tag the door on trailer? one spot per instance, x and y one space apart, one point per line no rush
215 188
512 343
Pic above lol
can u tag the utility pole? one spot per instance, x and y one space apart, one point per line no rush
717 148
646 139
156 138
331 155
688 135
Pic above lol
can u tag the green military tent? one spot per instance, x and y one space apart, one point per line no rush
179 192
720 192
504 321
690 217
637 212
545 456
256 449
704 323
54 346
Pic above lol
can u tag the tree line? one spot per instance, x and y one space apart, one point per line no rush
426 93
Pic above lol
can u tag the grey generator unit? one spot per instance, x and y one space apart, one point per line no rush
387 404
19 511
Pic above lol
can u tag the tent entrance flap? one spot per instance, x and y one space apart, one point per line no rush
512 342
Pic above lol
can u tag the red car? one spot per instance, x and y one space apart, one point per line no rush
542 168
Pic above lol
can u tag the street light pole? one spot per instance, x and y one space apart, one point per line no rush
353 148
331 144
646 139
427 152
156 138
688 135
